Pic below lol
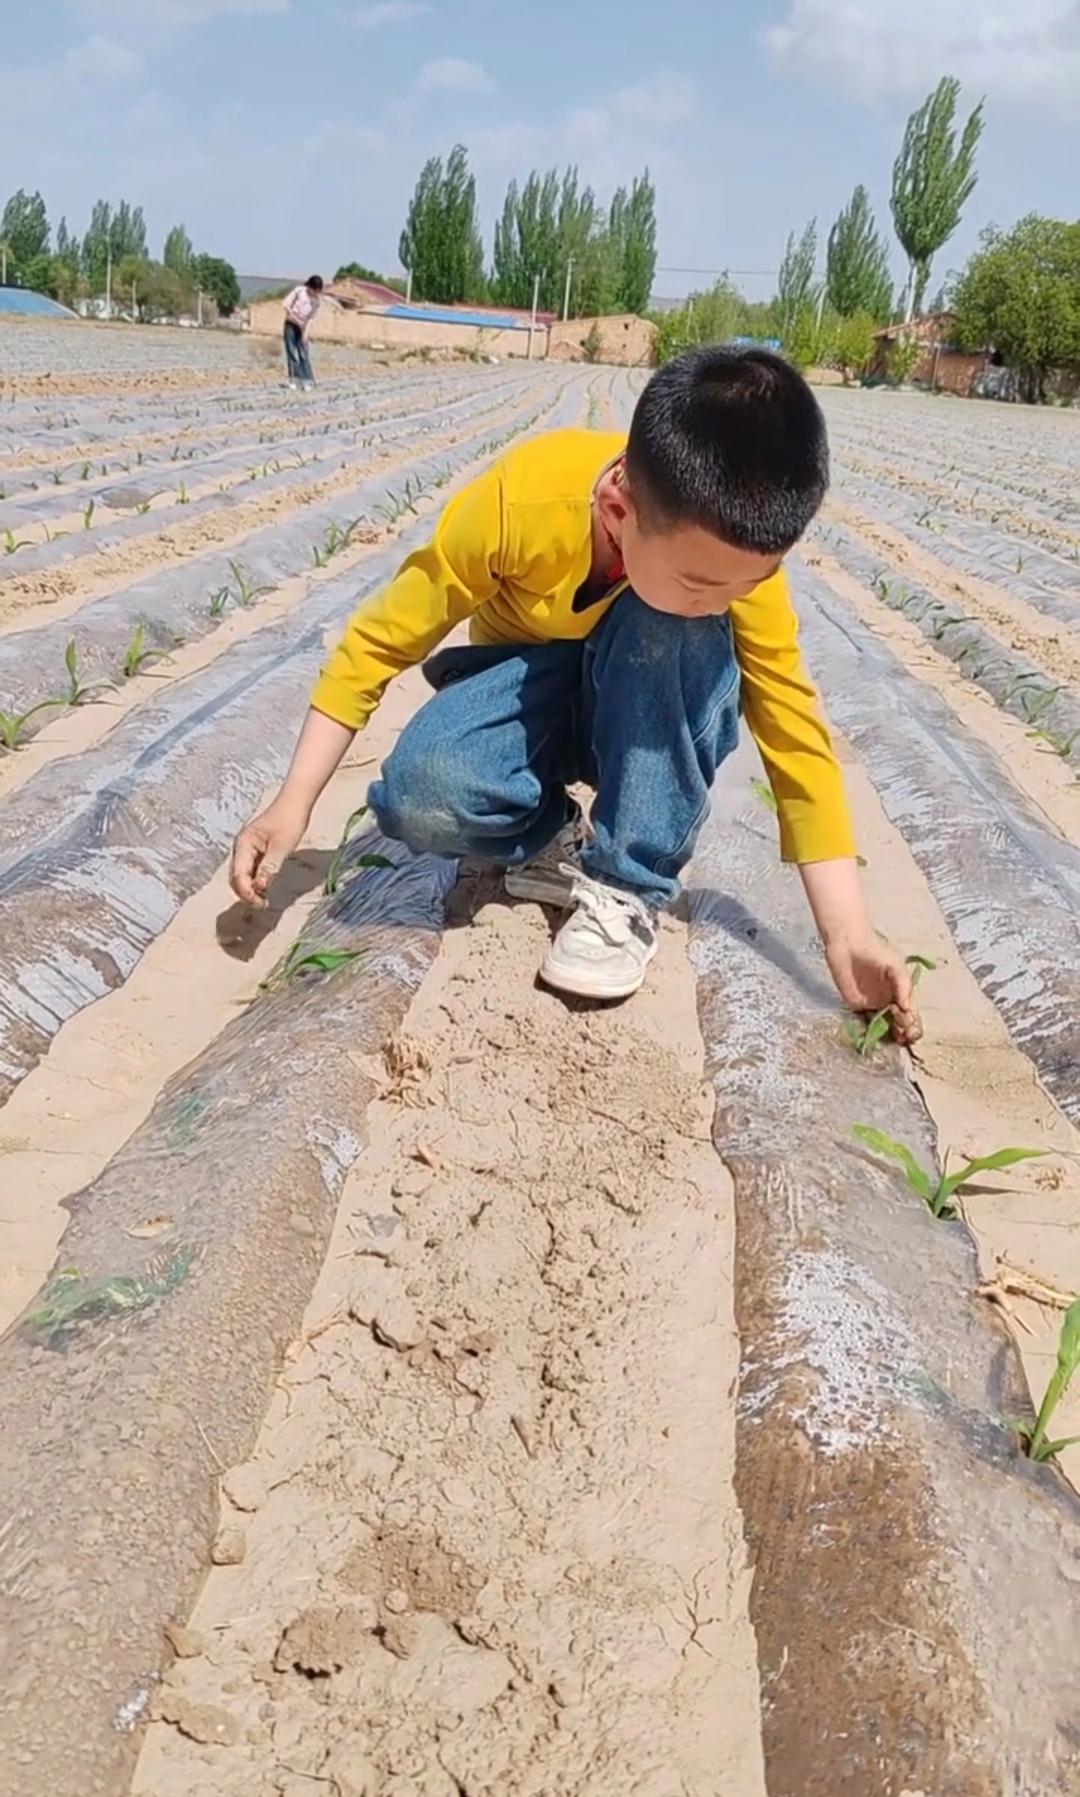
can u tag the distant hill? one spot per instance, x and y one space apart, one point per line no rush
253 287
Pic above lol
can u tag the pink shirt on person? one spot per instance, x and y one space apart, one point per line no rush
301 305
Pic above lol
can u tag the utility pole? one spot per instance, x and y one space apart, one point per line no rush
3 263
199 318
134 305
408 289
108 281
532 320
566 295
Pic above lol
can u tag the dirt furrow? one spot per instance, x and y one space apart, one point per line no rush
489 1538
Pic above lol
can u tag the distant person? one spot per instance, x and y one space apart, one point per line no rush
628 611
301 306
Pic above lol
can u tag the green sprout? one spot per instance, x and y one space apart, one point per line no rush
219 599
11 546
182 495
939 1198
84 471
1035 705
1036 1446
246 591
941 625
137 656
1062 746
56 476
865 1037
12 724
88 515
301 959
143 507
77 693
334 871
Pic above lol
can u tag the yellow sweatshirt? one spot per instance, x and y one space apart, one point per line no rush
511 551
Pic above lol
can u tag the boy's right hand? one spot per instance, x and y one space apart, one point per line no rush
263 845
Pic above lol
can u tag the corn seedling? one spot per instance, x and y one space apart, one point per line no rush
12 724
1061 746
938 1197
143 507
334 871
865 1037
1035 705
301 959
88 515
56 477
11 546
77 693
175 457
137 656
182 495
405 501
1036 1446
246 590
218 601
84 471
941 625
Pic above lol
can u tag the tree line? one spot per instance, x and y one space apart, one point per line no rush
553 238
1019 294
113 253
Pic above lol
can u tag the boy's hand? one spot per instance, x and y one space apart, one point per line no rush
869 976
263 845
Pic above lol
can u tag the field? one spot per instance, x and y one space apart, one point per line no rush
414 1385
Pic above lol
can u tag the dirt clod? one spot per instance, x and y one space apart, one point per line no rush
230 1547
187 1644
202 1722
322 1640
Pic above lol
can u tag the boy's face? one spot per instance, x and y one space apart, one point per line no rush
685 570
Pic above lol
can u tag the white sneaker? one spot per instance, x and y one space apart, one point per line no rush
604 948
548 879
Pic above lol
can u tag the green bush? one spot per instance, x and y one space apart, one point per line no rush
903 359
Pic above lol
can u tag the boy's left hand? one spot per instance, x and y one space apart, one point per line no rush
869 976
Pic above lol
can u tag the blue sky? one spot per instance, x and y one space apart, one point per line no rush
287 134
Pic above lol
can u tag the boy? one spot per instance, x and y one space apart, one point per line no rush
626 600
300 307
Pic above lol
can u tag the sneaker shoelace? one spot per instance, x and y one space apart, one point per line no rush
613 913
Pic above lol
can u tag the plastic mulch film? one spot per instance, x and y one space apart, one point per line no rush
174 603
144 1362
99 851
1047 581
33 497
1012 681
883 1492
1008 887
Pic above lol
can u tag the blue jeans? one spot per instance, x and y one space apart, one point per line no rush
644 711
296 353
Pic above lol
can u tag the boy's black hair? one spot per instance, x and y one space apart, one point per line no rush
732 440
314 281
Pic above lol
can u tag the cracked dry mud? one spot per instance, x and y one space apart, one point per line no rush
490 1542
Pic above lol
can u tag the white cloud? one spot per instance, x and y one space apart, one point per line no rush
101 59
451 75
387 12
1027 52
